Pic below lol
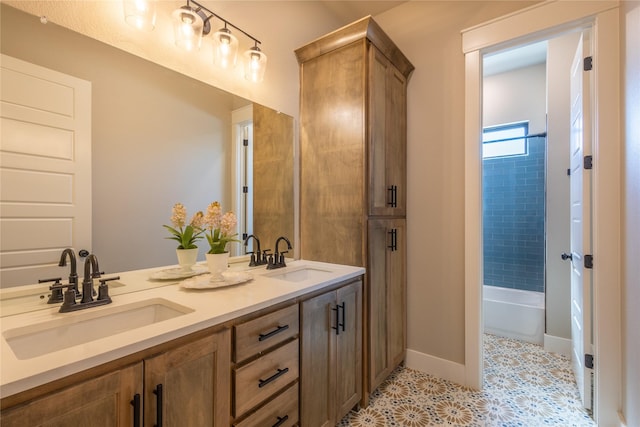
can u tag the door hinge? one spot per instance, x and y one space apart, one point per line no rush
588 361
245 142
245 189
588 162
588 63
568 171
244 236
588 261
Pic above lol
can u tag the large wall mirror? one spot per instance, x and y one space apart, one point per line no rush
159 137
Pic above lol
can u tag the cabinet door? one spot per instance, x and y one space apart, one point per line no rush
349 349
388 137
103 401
190 385
317 382
386 298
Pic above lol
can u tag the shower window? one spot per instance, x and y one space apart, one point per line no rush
505 140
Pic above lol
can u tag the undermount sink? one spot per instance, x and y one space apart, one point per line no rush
300 274
42 338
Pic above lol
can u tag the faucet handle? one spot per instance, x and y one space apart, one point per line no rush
56 289
103 288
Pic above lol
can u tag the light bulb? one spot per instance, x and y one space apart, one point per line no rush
225 48
140 13
187 28
255 64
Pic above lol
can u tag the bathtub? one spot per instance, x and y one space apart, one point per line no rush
513 313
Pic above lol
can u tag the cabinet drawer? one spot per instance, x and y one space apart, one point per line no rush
260 379
281 411
257 335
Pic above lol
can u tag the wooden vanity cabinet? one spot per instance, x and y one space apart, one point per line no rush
353 93
266 368
102 401
186 382
331 355
189 385
387 314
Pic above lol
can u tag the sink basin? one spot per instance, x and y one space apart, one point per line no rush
300 274
46 337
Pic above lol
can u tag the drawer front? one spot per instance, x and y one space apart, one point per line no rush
262 378
280 412
257 335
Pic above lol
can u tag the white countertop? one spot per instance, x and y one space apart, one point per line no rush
210 307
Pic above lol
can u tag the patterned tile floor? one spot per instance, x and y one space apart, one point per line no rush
524 386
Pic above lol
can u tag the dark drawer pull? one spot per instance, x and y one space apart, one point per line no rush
281 420
273 377
158 393
136 410
276 331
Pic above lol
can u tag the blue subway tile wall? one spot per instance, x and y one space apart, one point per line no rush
513 206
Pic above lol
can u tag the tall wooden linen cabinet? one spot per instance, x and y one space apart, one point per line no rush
353 176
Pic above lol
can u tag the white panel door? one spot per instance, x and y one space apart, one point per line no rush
580 195
45 170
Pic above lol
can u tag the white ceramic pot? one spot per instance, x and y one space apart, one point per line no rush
218 264
187 258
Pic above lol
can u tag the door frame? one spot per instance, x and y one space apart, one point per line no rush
545 20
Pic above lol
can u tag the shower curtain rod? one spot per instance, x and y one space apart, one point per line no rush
535 135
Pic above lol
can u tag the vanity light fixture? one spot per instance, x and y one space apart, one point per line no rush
192 21
140 13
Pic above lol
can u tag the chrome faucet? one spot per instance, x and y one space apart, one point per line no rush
277 260
73 273
257 257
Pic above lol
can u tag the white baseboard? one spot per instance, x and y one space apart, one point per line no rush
435 366
557 345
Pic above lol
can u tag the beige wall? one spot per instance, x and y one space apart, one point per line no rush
429 35
630 25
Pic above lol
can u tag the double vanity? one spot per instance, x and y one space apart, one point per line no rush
160 352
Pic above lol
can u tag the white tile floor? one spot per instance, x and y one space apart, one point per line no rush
524 386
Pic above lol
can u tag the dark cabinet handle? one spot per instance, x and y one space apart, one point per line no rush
394 240
281 421
337 319
136 410
273 377
343 307
276 331
393 196
158 393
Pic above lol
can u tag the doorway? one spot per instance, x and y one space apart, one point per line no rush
537 22
514 175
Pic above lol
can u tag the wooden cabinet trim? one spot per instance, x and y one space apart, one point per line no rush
361 29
